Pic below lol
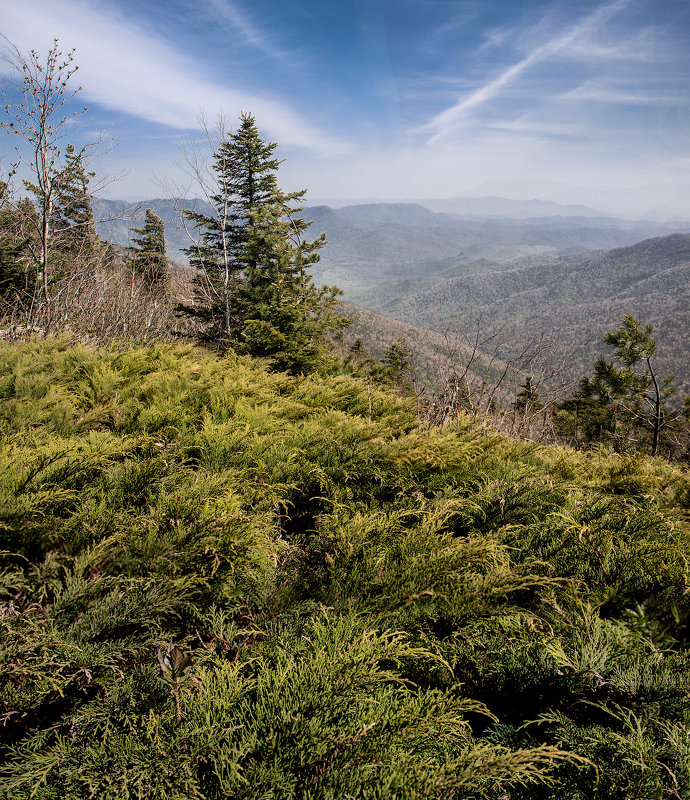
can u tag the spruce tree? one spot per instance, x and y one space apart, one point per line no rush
254 292
287 315
72 221
18 224
527 399
147 254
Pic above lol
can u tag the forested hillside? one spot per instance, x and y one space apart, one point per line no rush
574 298
224 582
371 246
431 353
525 276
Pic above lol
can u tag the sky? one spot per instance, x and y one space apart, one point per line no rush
585 102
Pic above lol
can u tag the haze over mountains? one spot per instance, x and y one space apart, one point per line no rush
574 299
395 234
530 267
376 244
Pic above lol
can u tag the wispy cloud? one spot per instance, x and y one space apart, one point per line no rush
637 46
228 11
543 128
126 69
437 38
494 38
448 120
602 92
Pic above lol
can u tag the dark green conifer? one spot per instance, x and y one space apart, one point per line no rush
18 226
72 220
397 357
147 254
528 397
254 291
245 179
625 401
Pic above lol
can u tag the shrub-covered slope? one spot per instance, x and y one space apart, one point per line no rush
219 582
572 298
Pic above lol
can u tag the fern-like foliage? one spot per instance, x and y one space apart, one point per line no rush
218 581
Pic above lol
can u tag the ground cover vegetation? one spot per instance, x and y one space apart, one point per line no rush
220 581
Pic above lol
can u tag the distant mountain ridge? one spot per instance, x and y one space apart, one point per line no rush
375 242
493 206
575 298
372 245
569 276
118 216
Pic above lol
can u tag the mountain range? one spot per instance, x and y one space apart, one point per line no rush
374 245
567 276
572 299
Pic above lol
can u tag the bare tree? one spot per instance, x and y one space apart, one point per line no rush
481 372
36 109
41 114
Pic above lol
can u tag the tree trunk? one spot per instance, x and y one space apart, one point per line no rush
656 420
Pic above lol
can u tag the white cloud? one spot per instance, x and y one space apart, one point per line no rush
636 47
449 120
229 12
495 38
601 92
546 127
124 69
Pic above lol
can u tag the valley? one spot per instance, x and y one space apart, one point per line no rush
526 269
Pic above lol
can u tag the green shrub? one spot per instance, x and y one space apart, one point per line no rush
373 608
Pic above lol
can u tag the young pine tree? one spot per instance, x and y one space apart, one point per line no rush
626 400
397 358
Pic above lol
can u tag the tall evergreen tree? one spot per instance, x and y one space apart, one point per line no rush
244 175
253 288
287 316
18 225
147 254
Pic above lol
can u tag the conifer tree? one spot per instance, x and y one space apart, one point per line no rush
147 254
642 391
397 357
245 181
626 399
18 223
72 220
253 289
528 397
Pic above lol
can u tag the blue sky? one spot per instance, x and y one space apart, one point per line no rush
392 99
